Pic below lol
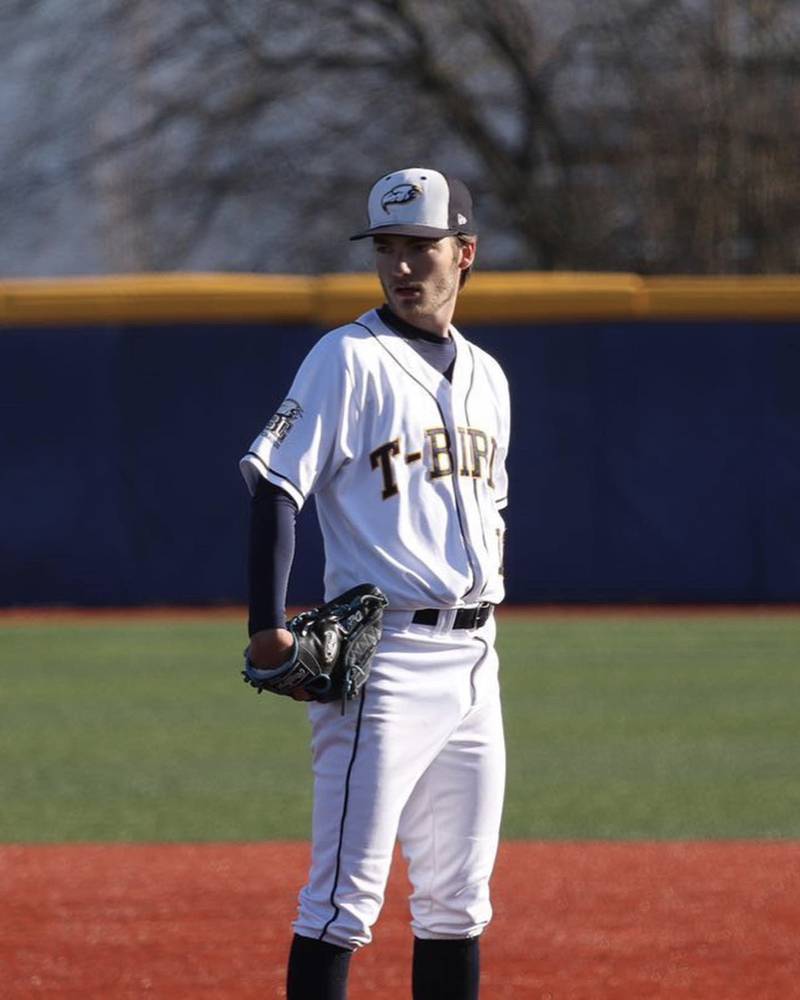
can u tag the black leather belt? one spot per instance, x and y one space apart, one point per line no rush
471 618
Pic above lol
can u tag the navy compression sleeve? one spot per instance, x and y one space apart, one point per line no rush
272 536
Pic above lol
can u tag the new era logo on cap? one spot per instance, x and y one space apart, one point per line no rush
418 202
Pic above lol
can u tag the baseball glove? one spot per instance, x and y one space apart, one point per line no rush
333 648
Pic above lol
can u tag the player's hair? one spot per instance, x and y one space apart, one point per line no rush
465 241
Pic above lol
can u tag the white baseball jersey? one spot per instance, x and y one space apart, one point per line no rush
408 468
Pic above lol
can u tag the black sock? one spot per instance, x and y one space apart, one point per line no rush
317 970
446 970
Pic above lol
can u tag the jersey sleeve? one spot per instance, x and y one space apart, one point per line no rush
500 474
501 482
311 435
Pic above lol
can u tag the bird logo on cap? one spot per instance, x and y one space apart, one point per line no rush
399 195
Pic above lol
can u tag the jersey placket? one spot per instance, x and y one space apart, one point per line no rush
449 399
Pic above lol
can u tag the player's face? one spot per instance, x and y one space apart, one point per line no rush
420 277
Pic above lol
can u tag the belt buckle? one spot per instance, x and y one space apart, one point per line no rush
474 620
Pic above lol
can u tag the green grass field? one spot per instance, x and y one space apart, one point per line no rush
673 727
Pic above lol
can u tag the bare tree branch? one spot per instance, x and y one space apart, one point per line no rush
652 135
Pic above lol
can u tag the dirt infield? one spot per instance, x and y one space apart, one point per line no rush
574 921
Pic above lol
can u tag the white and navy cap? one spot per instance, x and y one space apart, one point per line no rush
418 202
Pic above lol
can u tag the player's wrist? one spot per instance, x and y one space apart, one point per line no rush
270 647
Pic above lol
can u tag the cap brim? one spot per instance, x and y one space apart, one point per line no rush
427 232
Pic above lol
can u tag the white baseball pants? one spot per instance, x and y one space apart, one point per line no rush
419 758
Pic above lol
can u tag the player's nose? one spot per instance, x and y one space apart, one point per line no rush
400 267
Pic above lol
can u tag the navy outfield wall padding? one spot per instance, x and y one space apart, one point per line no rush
120 451
650 461
662 462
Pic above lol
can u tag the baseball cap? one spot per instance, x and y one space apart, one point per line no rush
418 202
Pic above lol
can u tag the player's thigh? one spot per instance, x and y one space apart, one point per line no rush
449 831
368 761
451 820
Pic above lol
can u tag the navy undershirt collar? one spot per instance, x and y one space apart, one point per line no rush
405 329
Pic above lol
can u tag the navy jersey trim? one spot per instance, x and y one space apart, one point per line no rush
273 472
336 909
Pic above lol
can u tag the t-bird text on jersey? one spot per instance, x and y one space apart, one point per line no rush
475 455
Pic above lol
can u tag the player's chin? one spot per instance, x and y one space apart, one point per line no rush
408 303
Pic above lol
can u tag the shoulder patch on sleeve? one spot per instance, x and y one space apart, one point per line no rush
279 425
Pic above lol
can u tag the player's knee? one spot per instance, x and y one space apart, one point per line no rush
349 929
451 919
352 938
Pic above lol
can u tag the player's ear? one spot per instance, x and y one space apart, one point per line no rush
467 249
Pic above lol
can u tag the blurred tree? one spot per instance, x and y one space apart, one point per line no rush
646 135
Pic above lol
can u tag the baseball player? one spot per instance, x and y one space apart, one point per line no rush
399 427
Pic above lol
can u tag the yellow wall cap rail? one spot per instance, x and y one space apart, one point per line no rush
745 297
156 298
329 300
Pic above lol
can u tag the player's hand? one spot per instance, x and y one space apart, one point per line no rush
269 649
